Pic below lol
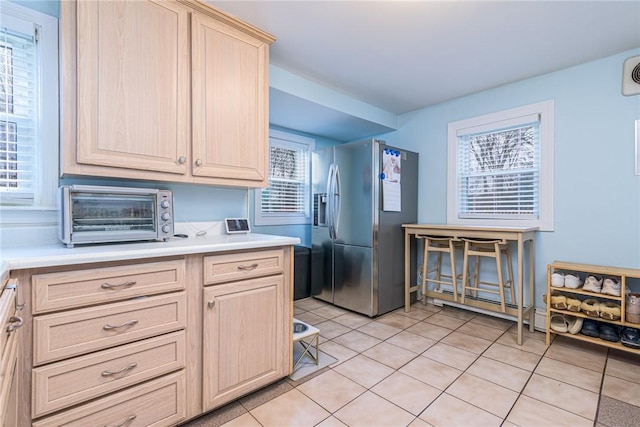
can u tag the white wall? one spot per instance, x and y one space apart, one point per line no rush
597 194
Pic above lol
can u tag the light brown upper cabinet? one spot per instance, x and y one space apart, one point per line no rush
164 90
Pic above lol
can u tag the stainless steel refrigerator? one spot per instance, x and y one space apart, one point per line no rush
357 254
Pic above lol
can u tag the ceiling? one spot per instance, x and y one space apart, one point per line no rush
401 56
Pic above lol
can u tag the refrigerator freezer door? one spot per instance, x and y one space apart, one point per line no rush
356 219
321 242
354 279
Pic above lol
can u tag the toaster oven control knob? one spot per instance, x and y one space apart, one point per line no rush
164 204
165 216
166 228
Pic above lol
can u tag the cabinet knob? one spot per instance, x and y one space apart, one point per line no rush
212 303
182 160
198 162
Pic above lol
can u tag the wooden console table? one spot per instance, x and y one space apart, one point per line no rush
517 235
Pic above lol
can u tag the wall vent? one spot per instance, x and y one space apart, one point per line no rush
631 76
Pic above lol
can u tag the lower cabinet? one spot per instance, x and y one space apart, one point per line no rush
243 338
120 343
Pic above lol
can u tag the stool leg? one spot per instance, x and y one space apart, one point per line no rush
425 269
476 276
438 270
454 275
511 279
500 282
465 271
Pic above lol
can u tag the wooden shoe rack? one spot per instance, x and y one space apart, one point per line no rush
583 270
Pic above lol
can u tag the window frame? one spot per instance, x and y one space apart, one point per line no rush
545 219
262 219
44 210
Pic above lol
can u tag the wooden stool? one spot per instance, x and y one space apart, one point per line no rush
489 249
439 245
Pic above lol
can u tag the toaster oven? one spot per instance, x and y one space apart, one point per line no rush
97 214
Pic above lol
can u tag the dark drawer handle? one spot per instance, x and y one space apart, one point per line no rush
15 322
121 285
119 371
247 267
125 422
111 327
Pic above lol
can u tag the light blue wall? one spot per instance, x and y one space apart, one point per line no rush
597 194
51 7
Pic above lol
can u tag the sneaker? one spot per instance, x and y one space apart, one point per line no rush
611 286
572 281
557 280
593 284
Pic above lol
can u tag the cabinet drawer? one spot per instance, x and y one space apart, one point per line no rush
70 289
227 268
158 403
60 335
66 383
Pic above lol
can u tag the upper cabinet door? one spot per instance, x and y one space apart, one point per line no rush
133 85
230 103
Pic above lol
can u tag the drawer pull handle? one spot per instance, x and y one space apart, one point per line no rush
14 323
119 371
20 306
121 285
111 327
125 422
248 267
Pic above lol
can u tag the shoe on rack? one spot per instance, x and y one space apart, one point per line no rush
610 310
559 323
573 304
572 281
558 301
557 280
611 286
574 324
589 328
593 284
630 337
591 307
608 332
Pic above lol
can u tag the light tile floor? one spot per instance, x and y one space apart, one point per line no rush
440 366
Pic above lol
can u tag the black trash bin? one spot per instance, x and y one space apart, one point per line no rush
301 273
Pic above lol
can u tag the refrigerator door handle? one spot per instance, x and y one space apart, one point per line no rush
337 206
329 207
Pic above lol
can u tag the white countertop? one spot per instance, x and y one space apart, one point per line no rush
35 256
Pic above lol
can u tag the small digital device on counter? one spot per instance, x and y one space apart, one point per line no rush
237 225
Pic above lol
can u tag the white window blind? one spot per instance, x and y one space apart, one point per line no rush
288 179
18 112
499 169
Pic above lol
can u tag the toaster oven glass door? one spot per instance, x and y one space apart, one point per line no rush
104 213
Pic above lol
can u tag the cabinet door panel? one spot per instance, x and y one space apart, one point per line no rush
243 338
133 85
230 102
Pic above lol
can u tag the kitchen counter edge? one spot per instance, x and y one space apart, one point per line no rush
25 257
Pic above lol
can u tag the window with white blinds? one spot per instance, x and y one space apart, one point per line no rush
29 113
18 115
501 168
286 200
